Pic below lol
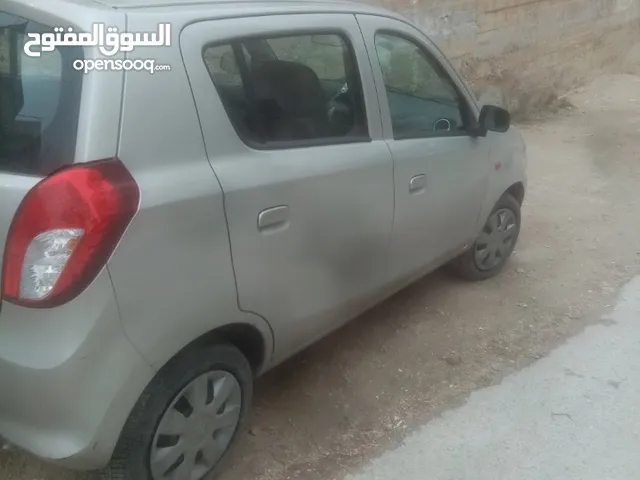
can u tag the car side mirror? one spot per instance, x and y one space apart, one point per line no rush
494 119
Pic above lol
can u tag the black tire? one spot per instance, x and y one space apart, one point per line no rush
131 457
465 265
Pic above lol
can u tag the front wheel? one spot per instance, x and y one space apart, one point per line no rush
494 245
187 418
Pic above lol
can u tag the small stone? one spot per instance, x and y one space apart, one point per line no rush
520 270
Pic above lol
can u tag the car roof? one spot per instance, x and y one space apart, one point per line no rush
248 6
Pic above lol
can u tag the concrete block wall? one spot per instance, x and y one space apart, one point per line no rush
532 50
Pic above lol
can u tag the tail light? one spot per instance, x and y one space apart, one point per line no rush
65 230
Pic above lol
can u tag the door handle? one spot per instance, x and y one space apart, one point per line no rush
274 218
418 184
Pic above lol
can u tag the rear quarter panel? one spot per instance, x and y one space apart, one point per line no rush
97 137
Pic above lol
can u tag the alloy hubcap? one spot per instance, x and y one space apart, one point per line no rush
197 428
496 240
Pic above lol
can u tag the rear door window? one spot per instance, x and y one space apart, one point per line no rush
39 101
287 91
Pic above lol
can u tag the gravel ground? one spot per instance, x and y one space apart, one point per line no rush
360 391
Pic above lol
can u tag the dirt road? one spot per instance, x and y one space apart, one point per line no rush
360 391
571 415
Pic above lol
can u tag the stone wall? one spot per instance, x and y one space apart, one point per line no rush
533 51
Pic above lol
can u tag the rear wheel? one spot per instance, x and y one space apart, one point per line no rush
187 419
494 245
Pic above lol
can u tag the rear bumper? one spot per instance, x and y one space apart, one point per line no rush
69 378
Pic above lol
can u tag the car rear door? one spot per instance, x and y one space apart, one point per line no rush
308 183
441 170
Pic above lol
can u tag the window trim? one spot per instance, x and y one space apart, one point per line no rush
467 112
295 144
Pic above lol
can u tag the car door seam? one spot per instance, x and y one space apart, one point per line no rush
382 128
124 330
373 77
224 211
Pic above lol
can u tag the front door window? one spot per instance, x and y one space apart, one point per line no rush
423 100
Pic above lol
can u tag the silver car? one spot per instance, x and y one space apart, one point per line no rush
170 233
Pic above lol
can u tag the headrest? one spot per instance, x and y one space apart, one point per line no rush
295 87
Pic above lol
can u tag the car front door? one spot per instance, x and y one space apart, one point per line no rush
441 170
291 123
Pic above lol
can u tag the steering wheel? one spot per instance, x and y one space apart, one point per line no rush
442 125
340 107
